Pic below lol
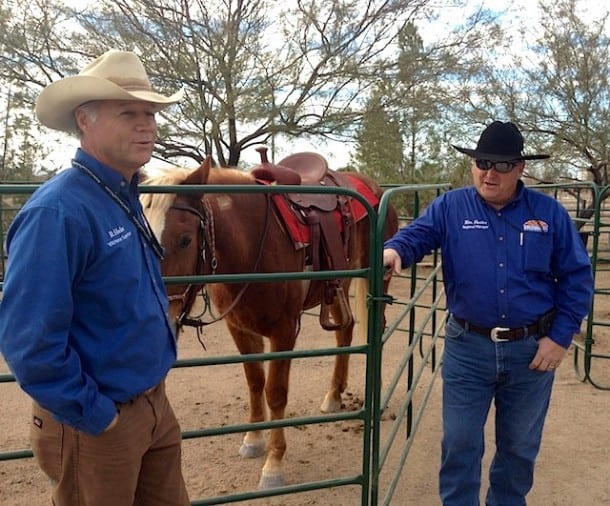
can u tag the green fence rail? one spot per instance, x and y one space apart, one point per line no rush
370 413
417 322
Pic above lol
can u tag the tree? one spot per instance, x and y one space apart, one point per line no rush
558 92
251 72
422 90
20 145
379 146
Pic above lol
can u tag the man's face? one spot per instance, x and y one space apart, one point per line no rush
496 188
119 133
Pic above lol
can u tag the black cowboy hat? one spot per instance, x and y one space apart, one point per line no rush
500 142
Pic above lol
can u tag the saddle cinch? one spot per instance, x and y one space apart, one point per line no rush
328 217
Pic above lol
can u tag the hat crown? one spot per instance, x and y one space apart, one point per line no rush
503 139
115 75
120 67
500 142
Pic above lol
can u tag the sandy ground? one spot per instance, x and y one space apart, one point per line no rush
573 466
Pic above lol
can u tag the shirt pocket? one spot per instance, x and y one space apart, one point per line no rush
537 250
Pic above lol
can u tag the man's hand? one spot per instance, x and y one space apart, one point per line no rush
391 259
549 355
113 424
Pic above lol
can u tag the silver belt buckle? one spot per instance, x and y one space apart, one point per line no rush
494 334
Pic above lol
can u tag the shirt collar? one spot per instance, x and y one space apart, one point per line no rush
115 181
518 195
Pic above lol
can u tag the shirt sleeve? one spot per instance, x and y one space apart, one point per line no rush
47 253
420 237
572 270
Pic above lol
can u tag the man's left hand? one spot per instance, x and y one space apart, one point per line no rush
549 355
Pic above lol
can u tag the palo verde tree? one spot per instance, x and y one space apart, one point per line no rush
252 69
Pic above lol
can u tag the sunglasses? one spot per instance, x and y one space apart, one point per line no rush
502 167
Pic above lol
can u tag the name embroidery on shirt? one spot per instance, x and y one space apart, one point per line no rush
475 225
536 226
117 235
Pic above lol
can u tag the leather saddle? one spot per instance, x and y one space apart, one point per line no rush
329 247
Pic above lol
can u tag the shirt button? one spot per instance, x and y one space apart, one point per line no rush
502 290
501 264
501 238
503 316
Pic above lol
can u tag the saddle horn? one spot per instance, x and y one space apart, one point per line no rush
262 151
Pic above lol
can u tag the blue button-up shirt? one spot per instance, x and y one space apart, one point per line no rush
83 317
505 267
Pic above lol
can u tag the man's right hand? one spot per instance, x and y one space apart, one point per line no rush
391 259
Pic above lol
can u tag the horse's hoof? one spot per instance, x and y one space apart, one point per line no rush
250 451
331 404
268 481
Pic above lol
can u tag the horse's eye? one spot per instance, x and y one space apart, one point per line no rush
184 242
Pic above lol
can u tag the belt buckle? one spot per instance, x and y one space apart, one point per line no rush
494 334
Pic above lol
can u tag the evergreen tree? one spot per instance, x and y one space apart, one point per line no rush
379 146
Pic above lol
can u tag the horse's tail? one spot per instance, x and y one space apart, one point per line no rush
361 288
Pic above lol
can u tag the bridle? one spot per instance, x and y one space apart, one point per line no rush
206 242
207 234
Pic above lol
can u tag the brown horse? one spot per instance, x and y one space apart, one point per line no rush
242 233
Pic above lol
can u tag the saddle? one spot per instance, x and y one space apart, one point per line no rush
329 247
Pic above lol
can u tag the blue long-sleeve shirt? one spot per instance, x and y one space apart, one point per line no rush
83 317
508 267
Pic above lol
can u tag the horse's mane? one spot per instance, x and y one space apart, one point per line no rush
156 205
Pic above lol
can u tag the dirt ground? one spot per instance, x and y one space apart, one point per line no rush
573 466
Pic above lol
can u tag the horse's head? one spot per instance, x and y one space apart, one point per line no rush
182 225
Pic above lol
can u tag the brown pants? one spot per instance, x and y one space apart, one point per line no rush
136 463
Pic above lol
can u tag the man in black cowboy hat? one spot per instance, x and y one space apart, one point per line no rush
518 284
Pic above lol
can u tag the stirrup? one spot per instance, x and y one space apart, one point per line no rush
345 317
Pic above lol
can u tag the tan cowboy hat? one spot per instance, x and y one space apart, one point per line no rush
115 75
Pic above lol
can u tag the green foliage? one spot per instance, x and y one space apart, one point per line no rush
379 73
21 146
379 149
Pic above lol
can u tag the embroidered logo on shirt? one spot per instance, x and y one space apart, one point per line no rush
475 224
536 226
117 235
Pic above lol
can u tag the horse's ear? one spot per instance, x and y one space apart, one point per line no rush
201 174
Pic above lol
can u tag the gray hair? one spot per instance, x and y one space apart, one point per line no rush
90 109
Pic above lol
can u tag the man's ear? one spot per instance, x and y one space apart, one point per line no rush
80 119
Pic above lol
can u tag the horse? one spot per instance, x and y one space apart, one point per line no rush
224 233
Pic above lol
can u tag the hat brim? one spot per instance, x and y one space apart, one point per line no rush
494 157
56 103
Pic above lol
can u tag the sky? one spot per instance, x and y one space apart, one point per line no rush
516 14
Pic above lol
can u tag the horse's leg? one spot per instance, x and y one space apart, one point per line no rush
332 400
276 391
253 443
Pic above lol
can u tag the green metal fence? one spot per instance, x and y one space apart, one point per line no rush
416 316
592 350
374 402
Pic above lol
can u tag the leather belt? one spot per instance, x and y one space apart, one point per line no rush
500 334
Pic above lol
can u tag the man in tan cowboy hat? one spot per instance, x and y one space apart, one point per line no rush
83 318
518 284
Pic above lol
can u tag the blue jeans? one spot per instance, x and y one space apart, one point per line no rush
476 371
